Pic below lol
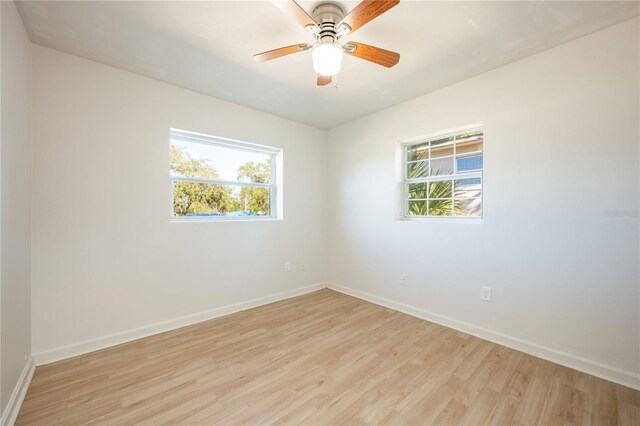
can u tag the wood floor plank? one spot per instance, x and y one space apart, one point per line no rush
321 358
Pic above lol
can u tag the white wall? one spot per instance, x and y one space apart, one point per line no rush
561 148
106 259
15 231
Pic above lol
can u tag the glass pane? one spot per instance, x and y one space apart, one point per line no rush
469 142
468 188
417 170
440 207
469 137
195 199
442 166
441 151
444 141
470 163
417 190
468 207
190 159
417 208
440 189
418 152
467 147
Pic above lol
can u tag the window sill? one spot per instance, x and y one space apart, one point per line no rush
433 219
225 219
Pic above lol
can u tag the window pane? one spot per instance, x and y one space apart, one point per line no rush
418 152
417 190
417 208
468 207
195 199
467 188
439 142
469 137
417 170
470 163
189 159
441 151
469 147
440 207
440 189
469 143
447 165
442 166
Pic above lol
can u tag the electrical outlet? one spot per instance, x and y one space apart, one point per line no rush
303 267
485 294
403 280
287 266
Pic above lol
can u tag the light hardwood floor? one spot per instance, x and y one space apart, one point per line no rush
322 358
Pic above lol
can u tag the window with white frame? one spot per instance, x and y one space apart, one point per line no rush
443 175
217 178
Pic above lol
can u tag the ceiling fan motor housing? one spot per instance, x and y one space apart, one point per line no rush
328 15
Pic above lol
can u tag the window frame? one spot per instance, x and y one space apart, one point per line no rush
476 173
217 141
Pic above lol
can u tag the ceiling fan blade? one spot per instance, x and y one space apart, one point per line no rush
383 57
283 51
293 9
323 80
365 12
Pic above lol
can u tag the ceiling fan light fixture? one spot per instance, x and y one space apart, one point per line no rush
327 59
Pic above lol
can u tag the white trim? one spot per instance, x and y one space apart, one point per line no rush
595 368
470 220
220 182
474 174
221 219
187 136
443 133
10 414
87 346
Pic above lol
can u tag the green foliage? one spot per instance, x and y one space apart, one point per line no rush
433 190
197 198
252 199
254 172
191 198
182 164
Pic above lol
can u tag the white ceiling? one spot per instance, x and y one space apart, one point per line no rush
208 46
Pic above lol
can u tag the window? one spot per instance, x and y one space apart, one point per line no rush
215 178
443 176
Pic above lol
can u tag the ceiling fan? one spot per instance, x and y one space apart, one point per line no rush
328 24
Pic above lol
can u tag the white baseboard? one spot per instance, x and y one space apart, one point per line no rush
595 368
10 414
87 346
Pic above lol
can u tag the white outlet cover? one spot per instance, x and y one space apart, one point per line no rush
485 293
